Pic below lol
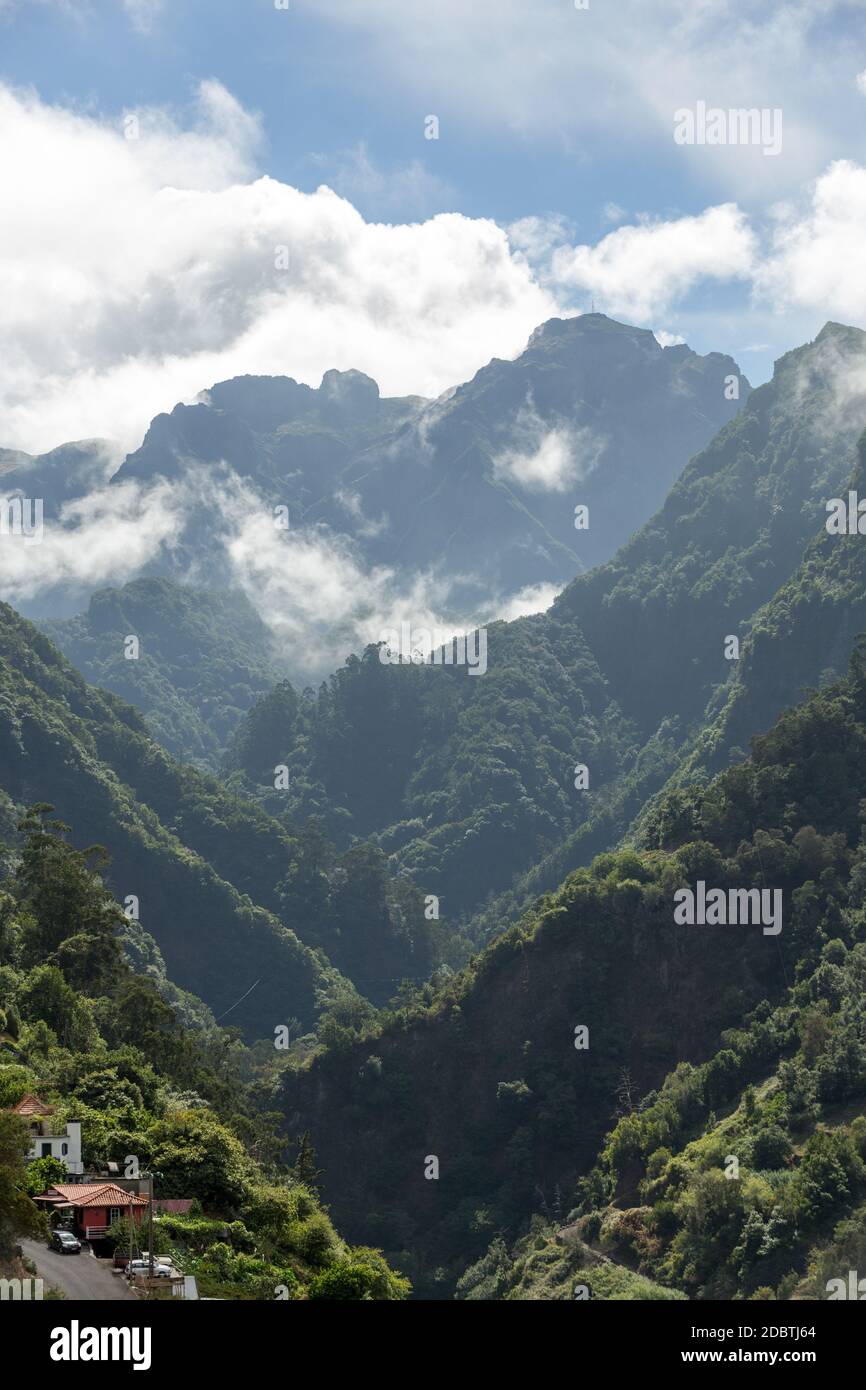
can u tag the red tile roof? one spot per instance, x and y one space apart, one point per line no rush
31 1105
179 1206
92 1194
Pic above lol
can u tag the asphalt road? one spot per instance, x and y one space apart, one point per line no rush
81 1277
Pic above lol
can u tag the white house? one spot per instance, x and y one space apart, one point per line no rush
65 1144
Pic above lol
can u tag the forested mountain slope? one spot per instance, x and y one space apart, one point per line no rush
490 1075
203 659
744 1176
731 532
480 769
617 676
221 886
801 637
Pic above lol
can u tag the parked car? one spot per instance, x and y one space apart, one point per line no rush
160 1271
65 1243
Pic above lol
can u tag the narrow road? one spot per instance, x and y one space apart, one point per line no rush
81 1277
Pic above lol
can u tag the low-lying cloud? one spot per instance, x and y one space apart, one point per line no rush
541 457
312 586
109 535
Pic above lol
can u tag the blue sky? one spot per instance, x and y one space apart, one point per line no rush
555 122
322 92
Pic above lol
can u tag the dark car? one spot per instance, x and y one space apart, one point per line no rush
65 1242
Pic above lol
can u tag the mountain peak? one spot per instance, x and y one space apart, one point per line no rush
351 390
841 332
821 357
581 326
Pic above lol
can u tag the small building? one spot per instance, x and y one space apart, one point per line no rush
46 1140
92 1206
172 1206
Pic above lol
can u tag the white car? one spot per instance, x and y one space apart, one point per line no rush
160 1271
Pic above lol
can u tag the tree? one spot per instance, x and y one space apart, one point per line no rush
18 1215
199 1157
365 1276
61 891
625 1092
771 1148
45 1172
46 997
304 1168
15 1082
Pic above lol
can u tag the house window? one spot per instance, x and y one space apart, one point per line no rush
64 1149
46 1150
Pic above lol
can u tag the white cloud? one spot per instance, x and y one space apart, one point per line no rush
541 458
639 271
315 593
548 467
537 237
535 598
818 257
321 602
114 531
861 82
363 525
134 272
312 587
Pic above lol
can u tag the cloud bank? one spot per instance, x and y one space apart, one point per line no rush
142 259
311 587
